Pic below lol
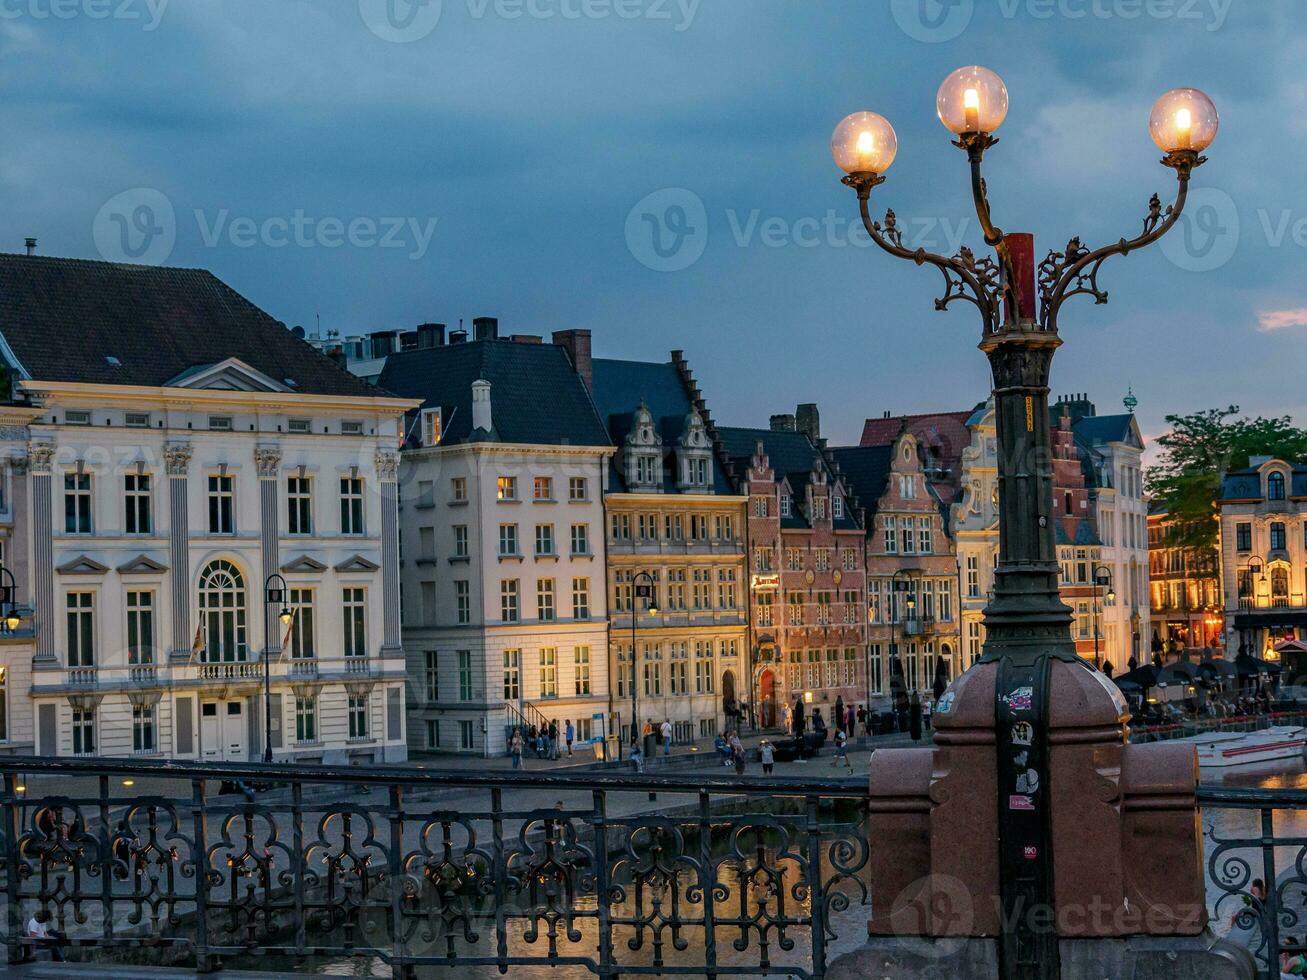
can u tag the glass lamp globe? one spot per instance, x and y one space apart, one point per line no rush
1184 119
864 143
972 100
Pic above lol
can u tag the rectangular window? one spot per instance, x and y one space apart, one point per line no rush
548 672
727 597
458 489
762 559
578 489
222 505
1278 538
356 637
544 488
946 601
544 540
907 543
850 560
140 627
761 507
465 675
351 505
796 609
580 598
785 505
143 729
463 601
506 488
891 536
837 507
873 602
431 663
306 719
220 423
358 717
81 629
582 671
765 609
545 611
299 505
136 491
299 426
84 731
77 503
973 577
137 420
925 540
460 541
465 742
877 670
508 541
433 733
1243 534
512 675
823 608
580 539
823 559
509 606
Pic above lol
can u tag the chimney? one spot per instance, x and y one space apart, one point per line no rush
481 415
408 340
577 345
459 336
31 246
485 328
526 338
382 343
431 335
808 421
783 423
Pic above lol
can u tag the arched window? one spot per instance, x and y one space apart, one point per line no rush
222 612
1275 486
1279 582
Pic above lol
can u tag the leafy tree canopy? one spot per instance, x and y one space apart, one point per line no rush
1197 450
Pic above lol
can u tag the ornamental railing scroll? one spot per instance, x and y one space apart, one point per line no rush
719 877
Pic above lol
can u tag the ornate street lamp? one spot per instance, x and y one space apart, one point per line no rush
9 601
643 586
1027 625
275 593
1102 581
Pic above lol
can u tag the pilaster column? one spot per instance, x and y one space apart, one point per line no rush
40 459
268 460
177 460
388 476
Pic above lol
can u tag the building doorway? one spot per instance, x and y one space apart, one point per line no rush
767 699
222 731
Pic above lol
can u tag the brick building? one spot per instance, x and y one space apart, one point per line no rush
1079 548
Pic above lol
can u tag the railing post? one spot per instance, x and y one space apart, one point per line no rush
499 872
13 887
398 952
106 860
816 895
1271 918
707 881
203 962
299 864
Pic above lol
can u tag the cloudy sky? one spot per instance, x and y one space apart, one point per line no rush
658 171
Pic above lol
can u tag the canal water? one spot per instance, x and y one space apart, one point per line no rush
1239 866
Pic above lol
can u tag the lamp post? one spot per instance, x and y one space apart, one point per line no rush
8 601
1027 624
1254 567
275 593
1102 580
643 586
895 616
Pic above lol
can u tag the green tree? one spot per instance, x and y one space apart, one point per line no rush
1197 450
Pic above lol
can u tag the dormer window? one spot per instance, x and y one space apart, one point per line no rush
837 505
1275 486
643 452
431 427
785 505
646 470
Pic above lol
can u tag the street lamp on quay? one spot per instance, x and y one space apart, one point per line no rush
1027 624
275 593
910 603
643 586
9 601
1102 581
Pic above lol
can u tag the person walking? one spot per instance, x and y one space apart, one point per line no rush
789 718
637 758
841 750
571 734
667 736
737 753
768 756
515 748
927 710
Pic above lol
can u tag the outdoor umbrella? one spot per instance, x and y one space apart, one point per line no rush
1145 677
898 684
941 678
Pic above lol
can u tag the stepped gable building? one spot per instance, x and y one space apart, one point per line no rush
942 437
169 449
676 581
505 607
807 564
1263 514
912 573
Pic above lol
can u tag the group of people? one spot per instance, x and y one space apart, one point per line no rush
731 750
914 718
542 741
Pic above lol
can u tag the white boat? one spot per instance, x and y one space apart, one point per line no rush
1224 749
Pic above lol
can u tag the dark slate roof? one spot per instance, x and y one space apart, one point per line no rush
1085 534
63 318
620 387
535 396
1097 429
1246 484
792 456
865 470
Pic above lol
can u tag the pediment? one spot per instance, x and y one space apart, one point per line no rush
357 563
233 374
141 565
304 564
82 565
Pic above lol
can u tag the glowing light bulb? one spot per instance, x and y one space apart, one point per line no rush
1184 125
971 107
866 144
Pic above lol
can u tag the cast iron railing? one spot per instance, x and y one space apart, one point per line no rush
1256 852
148 861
